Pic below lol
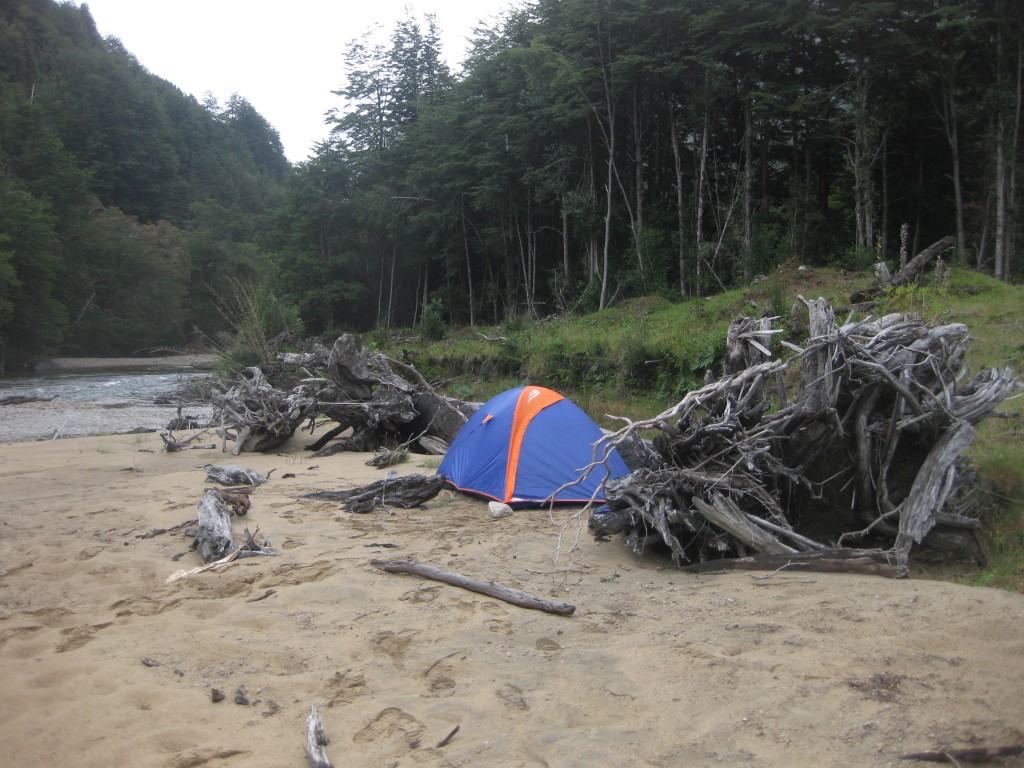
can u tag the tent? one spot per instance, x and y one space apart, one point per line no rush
526 443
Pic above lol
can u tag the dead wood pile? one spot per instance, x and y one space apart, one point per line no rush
374 401
846 456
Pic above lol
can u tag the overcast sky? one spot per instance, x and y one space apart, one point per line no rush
284 56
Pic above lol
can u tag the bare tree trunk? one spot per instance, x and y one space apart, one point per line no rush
469 264
860 161
605 260
391 283
883 239
701 186
1000 254
1014 141
680 216
747 259
565 245
638 183
948 113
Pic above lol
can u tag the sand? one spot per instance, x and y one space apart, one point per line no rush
103 663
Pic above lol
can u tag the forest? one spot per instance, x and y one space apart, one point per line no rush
588 151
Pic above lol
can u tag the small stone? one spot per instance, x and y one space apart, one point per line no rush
216 695
498 510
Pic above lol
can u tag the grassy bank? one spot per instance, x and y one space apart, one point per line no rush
640 357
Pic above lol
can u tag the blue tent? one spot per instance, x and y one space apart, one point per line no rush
525 444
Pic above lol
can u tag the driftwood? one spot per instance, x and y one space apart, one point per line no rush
316 741
172 443
229 474
374 401
21 399
911 273
869 562
255 545
262 416
863 448
489 588
213 538
967 754
405 492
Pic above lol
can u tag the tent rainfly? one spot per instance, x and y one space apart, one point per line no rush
524 445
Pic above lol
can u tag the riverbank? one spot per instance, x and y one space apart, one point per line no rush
655 667
57 419
97 396
201 362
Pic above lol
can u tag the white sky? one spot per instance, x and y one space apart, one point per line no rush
284 56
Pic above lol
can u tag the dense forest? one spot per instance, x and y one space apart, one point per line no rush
588 151
127 208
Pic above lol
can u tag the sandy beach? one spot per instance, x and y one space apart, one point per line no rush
104 663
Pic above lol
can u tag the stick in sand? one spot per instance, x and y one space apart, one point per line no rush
489 588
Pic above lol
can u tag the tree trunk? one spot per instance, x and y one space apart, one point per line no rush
469 264
747 257
701 186
680 213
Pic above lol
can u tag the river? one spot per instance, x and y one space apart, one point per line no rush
99 401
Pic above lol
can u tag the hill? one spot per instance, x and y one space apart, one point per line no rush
126 207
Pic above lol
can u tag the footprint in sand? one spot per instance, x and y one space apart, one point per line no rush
547 644
76 637
295 574
90 552
421 595
512 697
499 627
440 683
390 722
344 688
394 645
12 632
143 606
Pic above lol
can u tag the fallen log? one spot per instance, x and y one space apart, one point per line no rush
724 513
405 492
489 588
911 273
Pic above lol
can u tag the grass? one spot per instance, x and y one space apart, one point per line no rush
642 356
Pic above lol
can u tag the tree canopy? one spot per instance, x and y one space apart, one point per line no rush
107 177
591 150
586 152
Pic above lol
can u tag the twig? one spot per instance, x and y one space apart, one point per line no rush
449 737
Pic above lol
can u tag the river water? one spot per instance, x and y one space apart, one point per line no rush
97 401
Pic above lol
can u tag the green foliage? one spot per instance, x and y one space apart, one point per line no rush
432 325
262 325
101 163
130 294
32 320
